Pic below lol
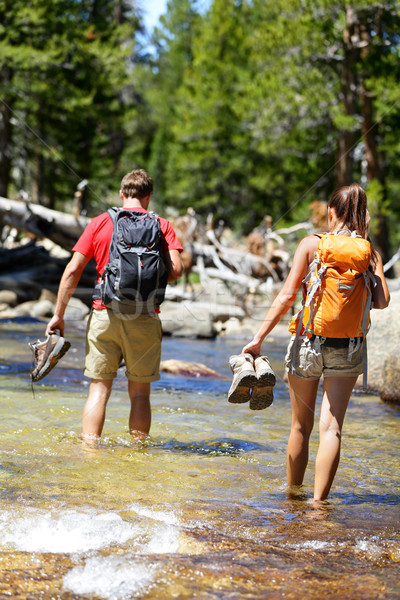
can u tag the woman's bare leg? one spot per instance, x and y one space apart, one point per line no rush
337 391
303 394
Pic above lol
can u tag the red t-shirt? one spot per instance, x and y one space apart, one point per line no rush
95 241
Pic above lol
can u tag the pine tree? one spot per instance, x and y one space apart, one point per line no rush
173 43
206 169
68 61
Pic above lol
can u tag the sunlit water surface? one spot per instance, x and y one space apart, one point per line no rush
200 510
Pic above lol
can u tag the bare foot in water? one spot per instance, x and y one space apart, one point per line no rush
138 436
90 441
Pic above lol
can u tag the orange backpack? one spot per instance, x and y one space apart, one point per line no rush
337 291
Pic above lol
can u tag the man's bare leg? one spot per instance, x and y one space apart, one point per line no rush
140 415
94 412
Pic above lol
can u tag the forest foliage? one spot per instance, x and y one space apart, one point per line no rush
241 108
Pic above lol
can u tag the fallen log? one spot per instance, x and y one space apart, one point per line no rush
29 268
61 228
26 254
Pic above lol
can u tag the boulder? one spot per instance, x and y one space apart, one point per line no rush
25 308
383 348
46 294
76 310
390 387
182 320
8 297
42 308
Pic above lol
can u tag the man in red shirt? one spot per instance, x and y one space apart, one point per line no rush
110 338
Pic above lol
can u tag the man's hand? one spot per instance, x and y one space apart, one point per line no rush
55 322
68 283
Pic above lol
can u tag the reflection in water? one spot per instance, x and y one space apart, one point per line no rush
199 509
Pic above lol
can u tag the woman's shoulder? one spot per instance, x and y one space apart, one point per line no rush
305 252
310 242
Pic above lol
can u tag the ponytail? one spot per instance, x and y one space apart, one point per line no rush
350 206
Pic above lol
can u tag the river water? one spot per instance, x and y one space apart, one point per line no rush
200 510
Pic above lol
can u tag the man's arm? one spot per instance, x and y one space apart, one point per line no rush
174 265
68 283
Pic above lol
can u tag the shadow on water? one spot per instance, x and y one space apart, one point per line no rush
376 498
221 447
204 385
21 321
11 367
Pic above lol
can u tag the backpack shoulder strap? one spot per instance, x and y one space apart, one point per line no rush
112 212
157 218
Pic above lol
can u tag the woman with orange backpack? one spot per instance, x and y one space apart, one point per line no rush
342 278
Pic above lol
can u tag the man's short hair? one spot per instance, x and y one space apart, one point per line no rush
137 184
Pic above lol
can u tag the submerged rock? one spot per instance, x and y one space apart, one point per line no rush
187 368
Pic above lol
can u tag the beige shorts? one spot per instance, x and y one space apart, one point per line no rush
310 361
110 339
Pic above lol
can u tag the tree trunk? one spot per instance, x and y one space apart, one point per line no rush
5 132
373 157
347 137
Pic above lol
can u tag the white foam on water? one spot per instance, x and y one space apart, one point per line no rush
370 547
313 545
119 577
165 540
69 531
317 545
111 577
78 531
168 517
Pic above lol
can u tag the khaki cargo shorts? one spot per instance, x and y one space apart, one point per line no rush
309 360
110 339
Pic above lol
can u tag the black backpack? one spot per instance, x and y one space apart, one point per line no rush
135 278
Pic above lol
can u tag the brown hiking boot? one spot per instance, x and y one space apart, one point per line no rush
262 394
244 377
47 354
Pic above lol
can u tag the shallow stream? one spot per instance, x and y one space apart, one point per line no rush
200 510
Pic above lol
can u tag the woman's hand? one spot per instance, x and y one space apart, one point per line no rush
254 348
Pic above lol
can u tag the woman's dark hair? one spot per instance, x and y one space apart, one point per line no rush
350 205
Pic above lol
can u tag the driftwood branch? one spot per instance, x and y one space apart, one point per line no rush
392 261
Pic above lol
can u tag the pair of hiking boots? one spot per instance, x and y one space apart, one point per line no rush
253 374
47 354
